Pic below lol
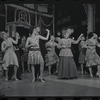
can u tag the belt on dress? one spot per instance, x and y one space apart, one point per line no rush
67 48
34 49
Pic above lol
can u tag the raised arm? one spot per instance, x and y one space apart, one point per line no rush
45 38
15 41
77 41
86 44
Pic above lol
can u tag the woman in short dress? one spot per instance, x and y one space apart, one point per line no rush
51 57
92 58
10 57
29 66
82 53
35 56
67 67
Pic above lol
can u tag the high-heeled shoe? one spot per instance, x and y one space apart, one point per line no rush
42 80
14 78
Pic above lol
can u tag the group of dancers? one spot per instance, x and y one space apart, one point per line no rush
64 61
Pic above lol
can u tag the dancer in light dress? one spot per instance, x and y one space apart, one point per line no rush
35 56
92 58
10 57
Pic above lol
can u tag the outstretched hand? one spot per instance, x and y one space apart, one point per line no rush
80 36
47 30
17 35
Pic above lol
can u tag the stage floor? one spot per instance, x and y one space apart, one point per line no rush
82 86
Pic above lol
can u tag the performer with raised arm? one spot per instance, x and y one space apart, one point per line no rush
67 67
92 58
35 56
10 57
51 57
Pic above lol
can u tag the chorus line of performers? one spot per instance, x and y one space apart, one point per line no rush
63 59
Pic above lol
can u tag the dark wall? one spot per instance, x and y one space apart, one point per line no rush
2 20
76 13
2 17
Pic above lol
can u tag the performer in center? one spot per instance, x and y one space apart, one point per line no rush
34 55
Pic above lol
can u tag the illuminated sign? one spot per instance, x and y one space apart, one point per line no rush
64 20
42 8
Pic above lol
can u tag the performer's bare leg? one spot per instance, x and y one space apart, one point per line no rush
6 75
15 72
57 66
98 70
41 71
82 69
90 70
49 68
33 73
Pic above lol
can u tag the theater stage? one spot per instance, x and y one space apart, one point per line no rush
82 86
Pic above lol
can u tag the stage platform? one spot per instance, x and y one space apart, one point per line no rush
82 86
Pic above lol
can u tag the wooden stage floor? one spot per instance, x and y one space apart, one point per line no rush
82 86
